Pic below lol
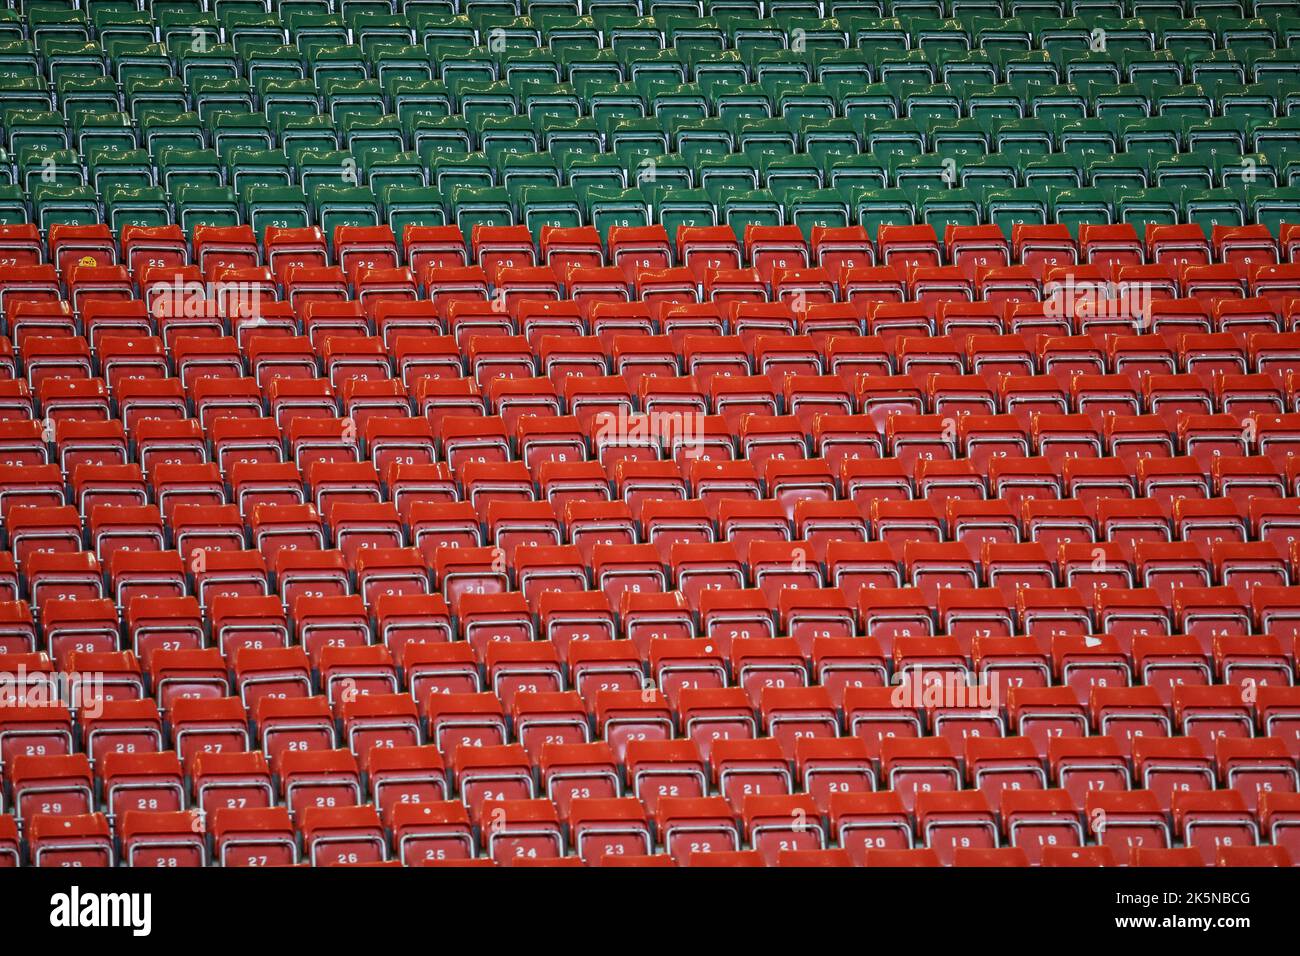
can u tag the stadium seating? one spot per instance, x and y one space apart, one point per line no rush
650 432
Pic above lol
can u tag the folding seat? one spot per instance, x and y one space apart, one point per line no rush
1251 661
1275 609
336 835
315 779
609 827
217 725
887 320
248 621
1205 437
272 483
998 766
43 529
1043 713
709 714
273 671
641 483
1256 315
66 576
456 718
434 525
1255 768
357 528
959 395
1027 396
522 667
962 320
779 825
126 726
58 785
217 357
1129 712
665 768
1014 286
866 823
336 483
428 833
871 712
677 663
942 482
223 396
84 399
932 566
952 821
225 781
490 773
1088 480
1043 244
420 359
1175 393
908 245
154 838
890 612
1129 612
850 356
235 441
38 283
141 781
21 244
106 283
1041 822
796 713
1212 821
875 284
96 677
253 836
323 439
975 613
281 527
79 625
731 615
1211 613
187 673
822 523
332 621
89 443
1275 520
889 394
294 725
1131 522
34 729
622 715
742 522
1127 821
689 826
346 673
522 829
700 567
21 437
80 840
1170 479
1113 245
1172 766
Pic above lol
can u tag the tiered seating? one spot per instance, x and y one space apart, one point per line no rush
652 433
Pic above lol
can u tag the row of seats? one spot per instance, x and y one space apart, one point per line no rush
950 829
55 12
1100 256
985 776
